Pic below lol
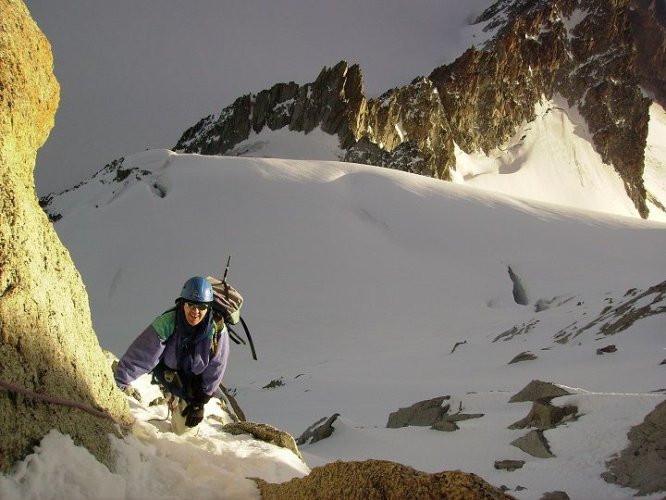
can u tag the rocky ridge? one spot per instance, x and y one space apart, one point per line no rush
594 53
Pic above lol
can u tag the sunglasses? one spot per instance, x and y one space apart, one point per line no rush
197 305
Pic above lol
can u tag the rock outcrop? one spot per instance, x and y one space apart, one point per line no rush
598 54
264 432
544 415
321 429
534 443
648 25
538 390
613 319
47 344
584 50
434 413
379 479
642 464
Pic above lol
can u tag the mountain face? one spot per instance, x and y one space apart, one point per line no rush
603 56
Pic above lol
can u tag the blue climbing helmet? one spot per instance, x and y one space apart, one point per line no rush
197 289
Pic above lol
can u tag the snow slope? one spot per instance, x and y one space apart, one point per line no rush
359 281
552 159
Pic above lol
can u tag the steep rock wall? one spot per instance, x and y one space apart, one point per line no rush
585 50
47 344
648 25
409 131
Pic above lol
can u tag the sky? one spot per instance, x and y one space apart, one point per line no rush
358 284
135 75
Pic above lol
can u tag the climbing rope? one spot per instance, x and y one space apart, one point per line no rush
9 387
171 407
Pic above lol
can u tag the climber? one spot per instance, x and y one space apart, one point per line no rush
186 351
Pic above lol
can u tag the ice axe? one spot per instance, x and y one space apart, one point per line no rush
242 321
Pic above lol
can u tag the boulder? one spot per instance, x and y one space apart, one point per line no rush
606 350
445 426
423 413
544 415
379 479
534 443
321 429
537 390
523 356
49 354
431 412
509 465
555 495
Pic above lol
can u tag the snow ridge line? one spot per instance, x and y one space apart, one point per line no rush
581 391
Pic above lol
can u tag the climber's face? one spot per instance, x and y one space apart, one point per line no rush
195 312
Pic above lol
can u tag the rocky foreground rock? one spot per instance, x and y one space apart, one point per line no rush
380 480
47 345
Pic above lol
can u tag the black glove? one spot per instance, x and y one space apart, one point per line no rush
200 397
194 411
193 414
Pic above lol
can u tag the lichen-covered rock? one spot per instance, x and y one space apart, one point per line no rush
47 344
380 480
264 432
